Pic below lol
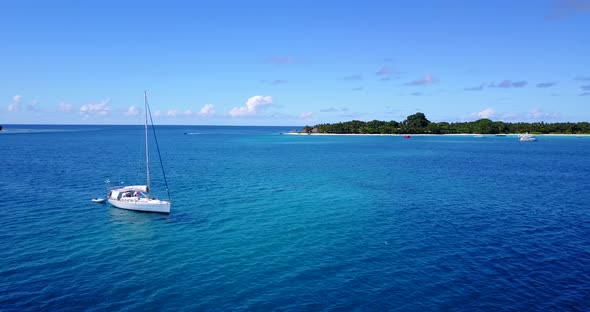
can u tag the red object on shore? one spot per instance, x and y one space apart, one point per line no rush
406 137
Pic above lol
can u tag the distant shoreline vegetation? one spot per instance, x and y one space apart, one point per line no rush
419 124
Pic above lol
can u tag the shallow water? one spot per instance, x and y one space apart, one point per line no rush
263 221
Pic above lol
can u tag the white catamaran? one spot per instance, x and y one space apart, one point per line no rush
137 197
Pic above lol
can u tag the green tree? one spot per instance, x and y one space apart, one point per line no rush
485 126
417 120
416 123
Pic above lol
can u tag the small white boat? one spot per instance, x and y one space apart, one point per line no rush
137 197
478 136
99 200
527 138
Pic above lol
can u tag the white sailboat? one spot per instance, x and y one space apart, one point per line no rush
137 197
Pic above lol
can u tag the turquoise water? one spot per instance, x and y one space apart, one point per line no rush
262 221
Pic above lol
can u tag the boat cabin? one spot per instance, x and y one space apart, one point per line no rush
127 193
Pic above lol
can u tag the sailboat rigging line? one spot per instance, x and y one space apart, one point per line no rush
158 149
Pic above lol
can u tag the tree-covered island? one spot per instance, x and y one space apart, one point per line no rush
419 124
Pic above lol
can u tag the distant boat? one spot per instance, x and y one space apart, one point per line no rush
527 138
478 136
99 200
137 197
501 134
407 136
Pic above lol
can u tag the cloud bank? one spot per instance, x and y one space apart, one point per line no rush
535 115
486 113
306 115
32 107
16 103
253 105
207 110
538 114
65 108
101 108
132 111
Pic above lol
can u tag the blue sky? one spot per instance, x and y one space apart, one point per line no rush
293 62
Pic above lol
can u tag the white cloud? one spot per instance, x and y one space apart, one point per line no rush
486 113
207 110
172 113
101 108
16 102
305 115
515 116
188 113
538 114
157 113
252 106
132 111
426 80
64 108
31 107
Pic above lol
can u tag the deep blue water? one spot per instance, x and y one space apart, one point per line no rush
262 221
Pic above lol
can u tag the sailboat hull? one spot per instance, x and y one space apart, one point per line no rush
145 205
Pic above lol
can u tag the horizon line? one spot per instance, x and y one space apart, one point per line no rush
73 124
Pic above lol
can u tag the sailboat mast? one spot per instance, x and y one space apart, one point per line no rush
147 151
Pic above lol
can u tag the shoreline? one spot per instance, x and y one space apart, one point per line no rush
428 134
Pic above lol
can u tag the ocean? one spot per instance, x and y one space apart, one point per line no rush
262 221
